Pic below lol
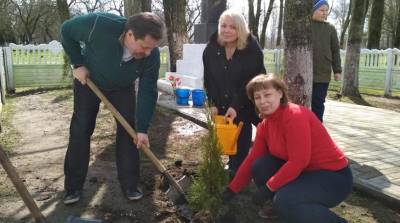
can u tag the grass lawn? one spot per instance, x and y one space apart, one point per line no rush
368 98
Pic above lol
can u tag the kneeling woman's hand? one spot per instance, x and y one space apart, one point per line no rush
227 195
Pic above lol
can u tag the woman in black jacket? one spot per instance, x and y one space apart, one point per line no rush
231 59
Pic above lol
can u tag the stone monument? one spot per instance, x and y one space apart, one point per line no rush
210 12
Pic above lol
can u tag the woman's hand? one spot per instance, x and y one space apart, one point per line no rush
231 113
214 111
227 195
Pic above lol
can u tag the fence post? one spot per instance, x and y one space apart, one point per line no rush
388 76
278 62
9 70
2 77
168 59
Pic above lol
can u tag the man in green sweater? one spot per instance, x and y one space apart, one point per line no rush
326 56
113 51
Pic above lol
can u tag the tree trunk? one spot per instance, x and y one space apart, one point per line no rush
174 13
63 10
132 7
278 39
375 24
351 66
345 26
254 17
298 51
397 37
265 23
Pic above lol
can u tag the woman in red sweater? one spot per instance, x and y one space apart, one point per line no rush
294 162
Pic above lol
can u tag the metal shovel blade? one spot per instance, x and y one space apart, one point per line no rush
73 219
174 195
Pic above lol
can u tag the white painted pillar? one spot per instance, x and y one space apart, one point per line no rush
389 71
9 70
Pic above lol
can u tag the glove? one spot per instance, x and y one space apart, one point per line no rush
227 195
264 194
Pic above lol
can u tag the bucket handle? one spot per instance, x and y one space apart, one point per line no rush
229 120
226 120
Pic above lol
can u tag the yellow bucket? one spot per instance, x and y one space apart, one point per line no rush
227 134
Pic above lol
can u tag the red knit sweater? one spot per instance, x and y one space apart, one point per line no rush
294 134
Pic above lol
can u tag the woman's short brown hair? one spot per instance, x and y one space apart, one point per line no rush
266 81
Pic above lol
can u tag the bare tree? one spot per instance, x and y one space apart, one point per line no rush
341 13
265 23
350 74
274 25
116 6
278 38
28 15
375 24
254 17
193 9
397 36
298 50
174 15
390 20
63 10
89 5
135 6
7 33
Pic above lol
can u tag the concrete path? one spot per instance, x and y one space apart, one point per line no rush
370 138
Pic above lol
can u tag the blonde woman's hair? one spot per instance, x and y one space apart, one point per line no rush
241 27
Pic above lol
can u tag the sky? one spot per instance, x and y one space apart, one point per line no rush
237 5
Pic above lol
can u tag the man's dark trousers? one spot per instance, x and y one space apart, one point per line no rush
86 107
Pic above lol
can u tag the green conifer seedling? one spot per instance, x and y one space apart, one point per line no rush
205 192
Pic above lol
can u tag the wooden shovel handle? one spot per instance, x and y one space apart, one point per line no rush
132 133
21 189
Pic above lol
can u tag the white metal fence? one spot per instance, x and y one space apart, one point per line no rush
379 69
43 65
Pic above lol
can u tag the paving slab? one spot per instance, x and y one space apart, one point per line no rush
375 159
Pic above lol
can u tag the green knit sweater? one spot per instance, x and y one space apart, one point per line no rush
93 40
326 53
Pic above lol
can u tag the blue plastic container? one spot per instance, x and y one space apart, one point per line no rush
198 97
182 96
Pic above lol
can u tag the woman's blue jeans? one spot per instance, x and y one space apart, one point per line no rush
306 199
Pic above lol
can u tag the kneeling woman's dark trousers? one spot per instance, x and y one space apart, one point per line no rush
306 199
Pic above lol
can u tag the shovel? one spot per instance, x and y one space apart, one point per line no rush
180 192
19 185
27 198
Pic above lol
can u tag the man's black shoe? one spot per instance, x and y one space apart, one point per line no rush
72 196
